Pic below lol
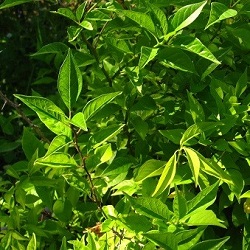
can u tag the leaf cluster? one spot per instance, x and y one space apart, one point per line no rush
137 130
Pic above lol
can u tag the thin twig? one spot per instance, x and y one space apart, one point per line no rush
23 116
92 186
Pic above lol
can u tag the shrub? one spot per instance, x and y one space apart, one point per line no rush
136 129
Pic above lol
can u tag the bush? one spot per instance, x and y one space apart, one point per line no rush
134 128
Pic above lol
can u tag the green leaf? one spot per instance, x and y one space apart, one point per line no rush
141 127
177 59
7 146
160 17
218 13
141 18
165 240
66 12
78 120
151 207
64 244
245 195
105 134
240 146
59 142
211 244
196 109
204 218
52 48
20 196
167 176
239 36
147 55
30 144
195 46
188 237
137 223
41 181
69 81
86 25
174 135
95 105
11 3
119 165
32 243
51 115
197 129
98 15
203 199
194 163
91 241
238 181
120 45
62 210
186 15
212 168
241 84
149 169
179 205
57 160
80 11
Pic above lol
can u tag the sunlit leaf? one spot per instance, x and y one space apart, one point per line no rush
11 3
194 45
164 240
219 12
210 244
179 204
205 218
167 176
52 48
58 143
203 199
95 105
51 115
32 243
150 207
186 15
141 18
160 17
104 135
149 169
86 25
66 12
78 120
147 55
62 210
194 163
69 81
241 84
177 59
196 109
197 129
57 160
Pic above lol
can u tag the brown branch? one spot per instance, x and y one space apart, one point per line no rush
92 186
23 116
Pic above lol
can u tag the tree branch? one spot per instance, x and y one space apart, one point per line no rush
92 186
23 116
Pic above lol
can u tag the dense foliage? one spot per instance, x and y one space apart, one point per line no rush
125 124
